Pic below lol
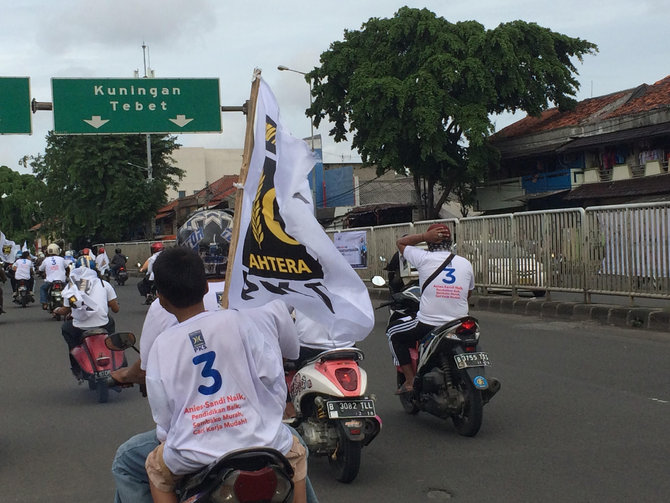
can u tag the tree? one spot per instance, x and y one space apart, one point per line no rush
95 188
20 201
417 91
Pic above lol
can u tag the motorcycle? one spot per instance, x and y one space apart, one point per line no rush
255 475
450 367
23 295
55 296
94 362
121 275
146 288
334 415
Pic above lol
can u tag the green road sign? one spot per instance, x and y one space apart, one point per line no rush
15 105
105 106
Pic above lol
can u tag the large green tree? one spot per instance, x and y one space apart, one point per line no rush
20 204
416 92
96 189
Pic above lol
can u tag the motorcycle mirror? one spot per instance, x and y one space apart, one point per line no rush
120 341
378 281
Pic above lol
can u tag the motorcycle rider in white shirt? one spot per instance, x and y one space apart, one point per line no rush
53 267
132 484
24 269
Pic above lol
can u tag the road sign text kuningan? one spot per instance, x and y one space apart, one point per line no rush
105 106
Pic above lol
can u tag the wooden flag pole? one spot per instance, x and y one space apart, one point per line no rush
239 196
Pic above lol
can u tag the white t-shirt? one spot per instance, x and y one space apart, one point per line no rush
158 319
100 293
102 262
23 268
54 268
446 297
150 265
313 334
216 383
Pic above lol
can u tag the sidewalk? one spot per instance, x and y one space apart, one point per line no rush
649 315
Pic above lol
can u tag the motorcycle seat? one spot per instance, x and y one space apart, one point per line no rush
338 354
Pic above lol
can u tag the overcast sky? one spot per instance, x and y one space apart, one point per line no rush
227 39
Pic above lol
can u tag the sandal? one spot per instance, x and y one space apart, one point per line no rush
404 389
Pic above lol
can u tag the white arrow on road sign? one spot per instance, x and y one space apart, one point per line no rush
96 121
181 120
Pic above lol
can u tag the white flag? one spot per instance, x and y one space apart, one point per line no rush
8 249
283 252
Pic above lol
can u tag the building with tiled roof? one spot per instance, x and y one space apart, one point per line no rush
610 149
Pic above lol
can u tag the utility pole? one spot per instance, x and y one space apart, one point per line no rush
150 172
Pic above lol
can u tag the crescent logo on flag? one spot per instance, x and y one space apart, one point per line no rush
282 251
268 250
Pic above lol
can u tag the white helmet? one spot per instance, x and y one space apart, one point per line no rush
53 249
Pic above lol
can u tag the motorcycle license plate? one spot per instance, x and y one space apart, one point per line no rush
350 408
472 360
103 373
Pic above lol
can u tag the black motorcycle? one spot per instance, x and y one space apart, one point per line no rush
450 368
23 295
121 275
55 297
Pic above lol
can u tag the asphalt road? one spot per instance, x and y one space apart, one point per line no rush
582 416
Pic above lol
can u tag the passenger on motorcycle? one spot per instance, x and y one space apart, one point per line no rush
53 267
118 260
128 468
248 368
446 280
102 261
88 298
23 269
146 285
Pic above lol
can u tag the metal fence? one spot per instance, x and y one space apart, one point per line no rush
619 250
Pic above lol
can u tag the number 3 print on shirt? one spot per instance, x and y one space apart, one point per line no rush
208 371
449 278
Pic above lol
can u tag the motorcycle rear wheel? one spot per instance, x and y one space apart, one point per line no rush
406 399
468 422
346 460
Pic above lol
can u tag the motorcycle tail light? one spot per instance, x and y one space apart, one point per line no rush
468 327
103 361
348 378
470 349
259 485
57 287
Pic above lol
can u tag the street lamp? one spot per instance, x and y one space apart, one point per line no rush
283 68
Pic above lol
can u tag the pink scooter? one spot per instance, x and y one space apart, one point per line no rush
96 361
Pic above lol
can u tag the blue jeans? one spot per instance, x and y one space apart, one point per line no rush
130 476
44 291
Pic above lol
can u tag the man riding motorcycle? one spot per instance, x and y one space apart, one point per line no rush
23 269
446 280
118 260
53 267
145 286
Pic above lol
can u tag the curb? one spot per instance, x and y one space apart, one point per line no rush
648 318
